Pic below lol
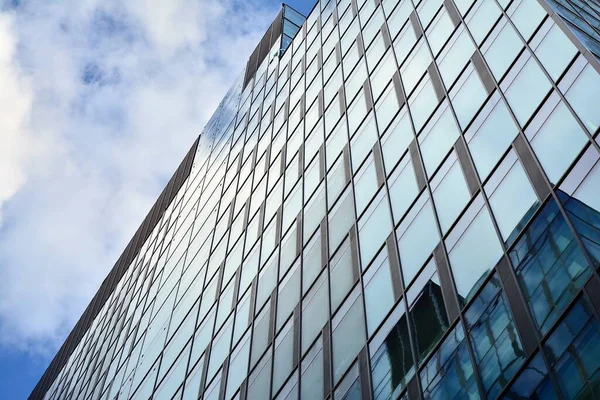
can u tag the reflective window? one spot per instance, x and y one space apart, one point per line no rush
396 140
373 228
427 310
533 382
438 138
468 96
417 237
312 373
512 198
473 249
527 90
392 364
348 327
379 295
573 350
450 192
555 51
366 185
501 48
422 102
449 372
550 265
481 19
315 311
455 56
415 65
341 219
494 338
582 96
526 15
489 137
403 188
283 360
558 141
342 274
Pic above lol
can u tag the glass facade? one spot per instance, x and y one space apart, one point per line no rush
402 202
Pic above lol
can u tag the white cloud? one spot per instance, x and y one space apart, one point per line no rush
99 101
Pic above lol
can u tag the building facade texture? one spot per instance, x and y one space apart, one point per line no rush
400 200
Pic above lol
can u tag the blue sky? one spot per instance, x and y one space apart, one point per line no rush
100 101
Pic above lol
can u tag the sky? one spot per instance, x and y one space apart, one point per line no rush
99 102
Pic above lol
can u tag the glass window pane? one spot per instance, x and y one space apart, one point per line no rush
555 51
403 188
550 265
476 252
427 310
450 192
558 142
283 359
422 102
527 90
583 96
526 16
492 137
533 382
396 140
494 338
373 228
513 200
467 96
417 237
438 138
366 185
577 370
342 274
501 49
363 142
379 294
415 65
315 311
449 372
392 364
481 19
312 373
348 334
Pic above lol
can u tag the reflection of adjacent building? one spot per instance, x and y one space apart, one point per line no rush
548 260
582 18
551 268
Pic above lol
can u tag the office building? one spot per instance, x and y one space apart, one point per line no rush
396 199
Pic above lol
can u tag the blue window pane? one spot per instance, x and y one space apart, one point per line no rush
573 350
550 265
586 221
449 372
533 383
494 338
392 365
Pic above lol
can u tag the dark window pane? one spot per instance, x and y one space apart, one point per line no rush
449 373
494 338
550 266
